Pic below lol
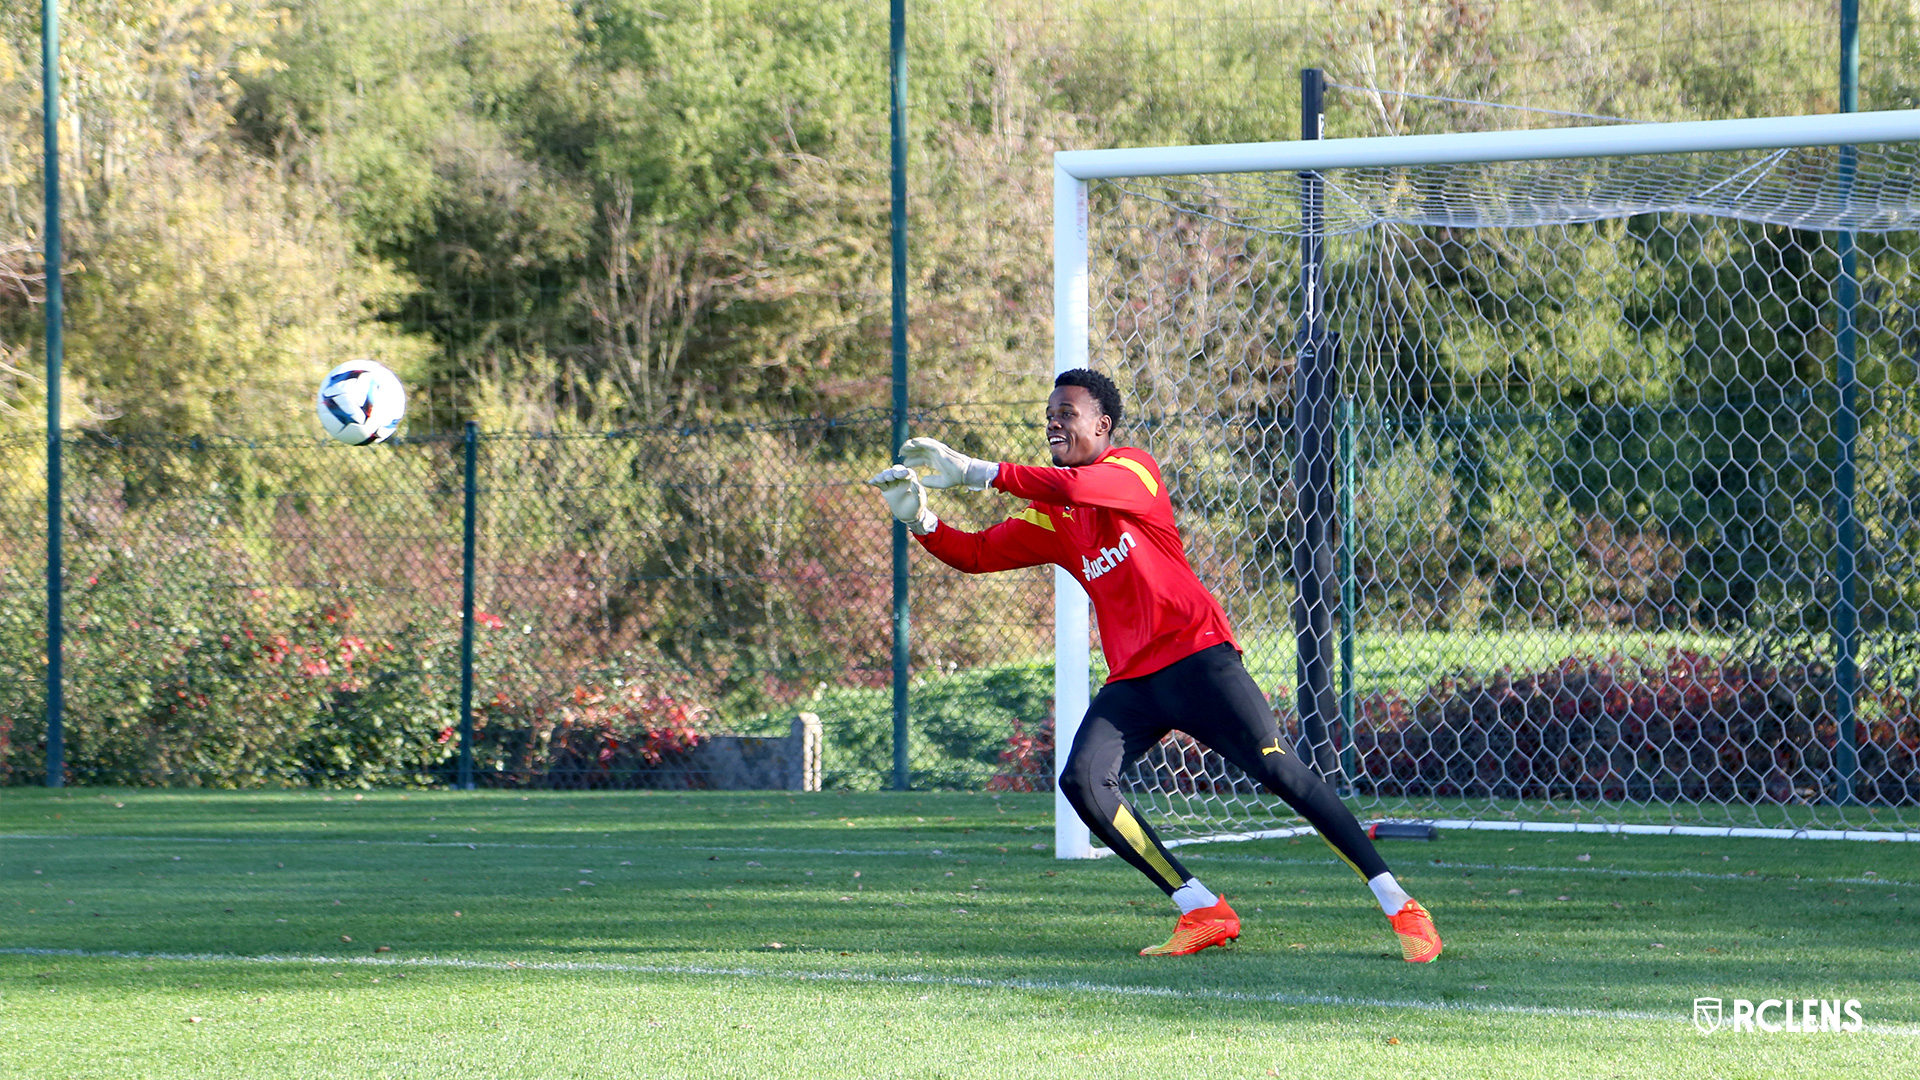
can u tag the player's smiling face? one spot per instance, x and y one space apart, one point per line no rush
1078 431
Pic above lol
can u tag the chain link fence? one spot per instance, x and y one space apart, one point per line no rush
289 612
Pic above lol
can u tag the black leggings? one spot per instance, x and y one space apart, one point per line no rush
1210 696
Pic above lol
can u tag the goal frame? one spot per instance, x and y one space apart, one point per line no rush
1073 169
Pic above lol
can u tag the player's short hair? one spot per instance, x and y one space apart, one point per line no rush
1101 387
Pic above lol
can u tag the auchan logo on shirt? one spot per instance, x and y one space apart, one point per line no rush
1110 557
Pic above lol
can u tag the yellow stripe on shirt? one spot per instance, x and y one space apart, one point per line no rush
1145 474
1032 516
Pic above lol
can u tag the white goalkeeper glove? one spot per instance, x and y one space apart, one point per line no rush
906 498
946 467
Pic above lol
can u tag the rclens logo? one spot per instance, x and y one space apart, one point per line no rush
1804 1015
1110 557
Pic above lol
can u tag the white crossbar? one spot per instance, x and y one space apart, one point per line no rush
1693 136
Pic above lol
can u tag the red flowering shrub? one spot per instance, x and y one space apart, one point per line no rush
624 734
1027 762
1694 728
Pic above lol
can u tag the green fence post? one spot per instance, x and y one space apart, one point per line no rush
1846 432
50 150
897 82
1315 380
471 447
1348 595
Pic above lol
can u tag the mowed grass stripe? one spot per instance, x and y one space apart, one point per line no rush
466 844
905 979
1186 855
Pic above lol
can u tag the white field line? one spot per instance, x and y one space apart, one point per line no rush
1195 857
1694 875
1668 874
1728 832
1067 986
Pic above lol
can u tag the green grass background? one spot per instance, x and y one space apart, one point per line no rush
892 934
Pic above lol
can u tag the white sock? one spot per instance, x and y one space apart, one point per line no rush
1193 896
1388 891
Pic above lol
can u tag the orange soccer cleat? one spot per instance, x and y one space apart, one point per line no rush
1419 941
1198 929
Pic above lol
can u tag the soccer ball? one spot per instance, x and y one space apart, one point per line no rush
361 402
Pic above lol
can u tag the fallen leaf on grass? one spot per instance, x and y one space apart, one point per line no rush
384 948
193 1019
346 938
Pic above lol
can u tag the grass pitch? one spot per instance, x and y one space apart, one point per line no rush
430 934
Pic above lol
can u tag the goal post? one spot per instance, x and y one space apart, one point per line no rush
1072 670
1591 438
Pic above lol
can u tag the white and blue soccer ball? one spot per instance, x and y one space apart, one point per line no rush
361 402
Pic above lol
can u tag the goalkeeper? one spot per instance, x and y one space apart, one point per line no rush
1104 514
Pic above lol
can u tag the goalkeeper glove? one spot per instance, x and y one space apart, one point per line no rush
906 498
946 467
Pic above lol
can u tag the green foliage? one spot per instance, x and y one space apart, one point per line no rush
191 682
613 212
958 733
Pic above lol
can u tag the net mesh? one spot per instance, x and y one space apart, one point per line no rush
1589 452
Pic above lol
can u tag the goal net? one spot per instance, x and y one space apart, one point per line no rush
1547 477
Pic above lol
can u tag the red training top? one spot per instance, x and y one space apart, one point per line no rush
1110 523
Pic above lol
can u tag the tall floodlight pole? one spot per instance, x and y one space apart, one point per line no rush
50 114
897 81
1846 433
1316 586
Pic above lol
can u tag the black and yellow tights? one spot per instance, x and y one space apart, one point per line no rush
1210 696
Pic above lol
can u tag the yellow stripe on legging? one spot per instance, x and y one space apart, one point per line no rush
1344 859
1123 820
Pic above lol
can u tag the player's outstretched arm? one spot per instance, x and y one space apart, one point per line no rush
1116 482
946 467
1010 545
906 498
